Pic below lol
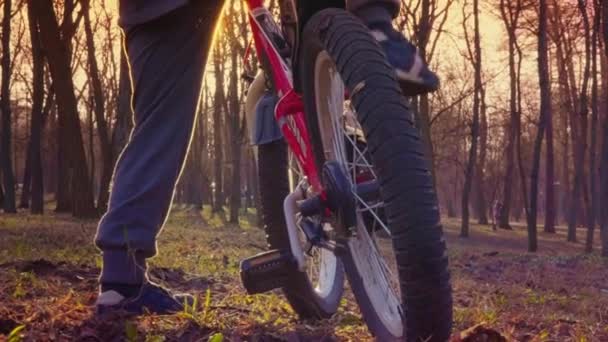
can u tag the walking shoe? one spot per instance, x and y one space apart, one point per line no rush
152 298
412 73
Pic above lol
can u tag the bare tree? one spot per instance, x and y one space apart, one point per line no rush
545 114
236 33
34 149
99 111
219 98
426 19
592 212
550 211
475 56
568 98
511 13
581 142
604 161
56 53
480 172
5 106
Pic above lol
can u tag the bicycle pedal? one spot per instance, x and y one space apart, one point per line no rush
268 270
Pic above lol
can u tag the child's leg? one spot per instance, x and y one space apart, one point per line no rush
167 58
374 10
412 71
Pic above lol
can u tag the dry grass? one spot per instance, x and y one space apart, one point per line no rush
48 270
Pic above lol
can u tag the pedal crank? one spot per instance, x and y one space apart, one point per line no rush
273 269
337 199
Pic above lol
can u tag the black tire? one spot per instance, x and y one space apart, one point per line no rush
274 187
406 185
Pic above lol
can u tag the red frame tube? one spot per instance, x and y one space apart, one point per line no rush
290 105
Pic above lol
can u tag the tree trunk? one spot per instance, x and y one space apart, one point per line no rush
196 165
206 193
91 144
246 173
424 125
49 159
470 168
235 189
1 189
24 201
58 59
218 202
520 207
510 16
604 158
197 198
5 107
565 186
64 173
63 191
235 194
567 107
191 180
591 216
547 112
423 34
545 115
503 221
532 212
99 110
480 197
550 210
237 126
581 142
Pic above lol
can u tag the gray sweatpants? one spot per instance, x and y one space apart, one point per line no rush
167 56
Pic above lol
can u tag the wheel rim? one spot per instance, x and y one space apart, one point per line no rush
371 247
321 264
321 267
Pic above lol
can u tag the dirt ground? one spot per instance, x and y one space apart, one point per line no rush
48 270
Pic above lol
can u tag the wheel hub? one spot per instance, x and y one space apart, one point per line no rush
337 199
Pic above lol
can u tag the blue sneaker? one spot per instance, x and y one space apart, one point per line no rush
412 73
152 298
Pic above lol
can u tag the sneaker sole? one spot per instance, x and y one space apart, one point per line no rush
409 88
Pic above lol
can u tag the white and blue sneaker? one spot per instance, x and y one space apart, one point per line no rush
412 73
151 298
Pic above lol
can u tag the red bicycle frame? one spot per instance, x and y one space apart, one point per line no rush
289 111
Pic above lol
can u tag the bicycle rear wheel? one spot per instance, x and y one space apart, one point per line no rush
396 261
316 293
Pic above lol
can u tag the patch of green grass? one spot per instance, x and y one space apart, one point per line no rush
155 338
25 280
131 331
500 300
483 312
15 334
535 298
217 337
216 220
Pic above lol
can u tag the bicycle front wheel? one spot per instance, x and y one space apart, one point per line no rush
396 259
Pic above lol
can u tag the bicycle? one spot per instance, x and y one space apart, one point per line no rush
348 183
